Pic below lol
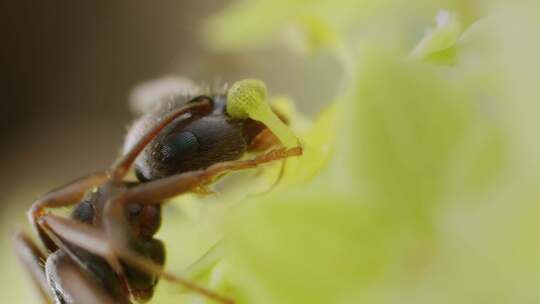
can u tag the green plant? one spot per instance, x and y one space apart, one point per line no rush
418 183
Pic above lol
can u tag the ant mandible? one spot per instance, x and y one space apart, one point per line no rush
106 252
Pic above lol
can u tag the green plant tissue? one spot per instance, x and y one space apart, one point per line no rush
419 182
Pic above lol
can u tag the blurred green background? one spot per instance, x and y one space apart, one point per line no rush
419 182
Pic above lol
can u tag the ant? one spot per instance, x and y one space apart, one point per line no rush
106 251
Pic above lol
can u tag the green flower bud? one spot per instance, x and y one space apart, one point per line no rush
247 98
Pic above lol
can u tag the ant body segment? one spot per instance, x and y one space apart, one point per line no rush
106 251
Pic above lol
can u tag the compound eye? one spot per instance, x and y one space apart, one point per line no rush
179 146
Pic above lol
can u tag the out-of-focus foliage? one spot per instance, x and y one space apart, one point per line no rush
420 182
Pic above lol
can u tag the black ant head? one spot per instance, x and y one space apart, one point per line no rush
194 140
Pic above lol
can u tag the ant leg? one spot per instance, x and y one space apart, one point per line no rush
154 192
109 244
73 192
32 260
73 284
64 196
65 230
122 165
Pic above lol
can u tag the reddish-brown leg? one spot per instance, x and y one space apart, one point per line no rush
74 191
73 284
155 192
109 243
66 195
96 242
76 285
32 259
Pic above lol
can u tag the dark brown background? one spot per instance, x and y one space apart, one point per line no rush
68 66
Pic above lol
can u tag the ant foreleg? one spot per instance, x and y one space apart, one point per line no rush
70 283
68 268
154 192
66 195
74 284
32 259
96 242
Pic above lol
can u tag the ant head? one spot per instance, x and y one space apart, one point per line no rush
194 140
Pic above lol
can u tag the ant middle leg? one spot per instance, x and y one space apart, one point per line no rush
32 259
78 275
95 241
155 192
110 243
60 279
74 191
66 195
73 284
